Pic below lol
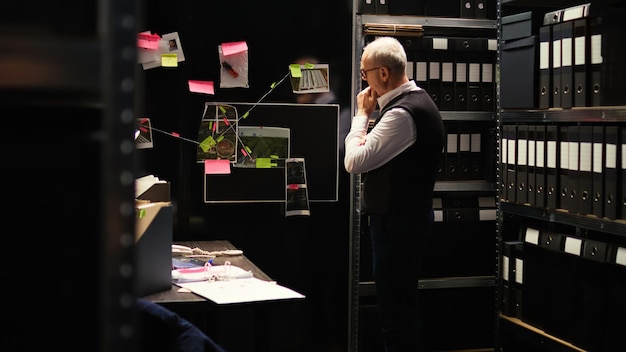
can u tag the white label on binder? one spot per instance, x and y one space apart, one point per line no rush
505 267
532 236
519 271
620 257
573 245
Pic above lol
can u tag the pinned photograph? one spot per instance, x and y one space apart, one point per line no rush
309 78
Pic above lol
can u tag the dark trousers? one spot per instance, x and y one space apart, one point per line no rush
398 243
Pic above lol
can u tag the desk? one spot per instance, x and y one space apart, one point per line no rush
245 327
173 296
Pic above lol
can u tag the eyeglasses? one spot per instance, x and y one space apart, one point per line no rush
364 72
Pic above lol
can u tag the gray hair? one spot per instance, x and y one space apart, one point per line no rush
387 51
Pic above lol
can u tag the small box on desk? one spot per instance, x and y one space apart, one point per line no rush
518 74
153 248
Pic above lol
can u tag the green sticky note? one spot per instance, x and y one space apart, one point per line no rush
295 70
207 143
263 163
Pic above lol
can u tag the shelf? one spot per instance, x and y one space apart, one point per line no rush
538 336
368 288
464 186
615 227
468 115
582 115
466 23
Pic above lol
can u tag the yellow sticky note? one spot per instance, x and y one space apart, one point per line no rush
169 60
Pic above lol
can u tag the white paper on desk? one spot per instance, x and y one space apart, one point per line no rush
240 290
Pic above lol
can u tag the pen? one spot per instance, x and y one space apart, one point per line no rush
230 69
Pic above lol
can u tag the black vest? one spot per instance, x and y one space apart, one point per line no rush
405 183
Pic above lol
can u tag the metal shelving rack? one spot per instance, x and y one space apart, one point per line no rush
511 326
357 288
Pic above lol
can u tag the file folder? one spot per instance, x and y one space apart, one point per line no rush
534 277
556 65
585 171
367 6
573 165
521 166
531 156
611 142
506 274
464 152
460 84
590 322
382 7
540 166
595 62
557 285
563 168
503 162
452 152
437 46
511 176
476 155
487 76
447 80
552 164
581 63
597 177
567 68
511 273
473 84
409 44
471 50
545 64
467 8
482 8
622 175
421 64
519 76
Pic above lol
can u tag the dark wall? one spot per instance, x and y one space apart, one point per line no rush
291 250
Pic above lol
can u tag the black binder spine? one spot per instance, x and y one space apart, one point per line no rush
521 166
540 166
581 63
552 164
556 64
597 207
545 65
567 68
585 174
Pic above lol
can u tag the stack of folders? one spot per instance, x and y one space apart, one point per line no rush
581 56
565 281
464 209
457 72
579 168
467 152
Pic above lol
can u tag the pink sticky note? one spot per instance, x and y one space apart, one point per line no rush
221 166
148 41
233 48
205 87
